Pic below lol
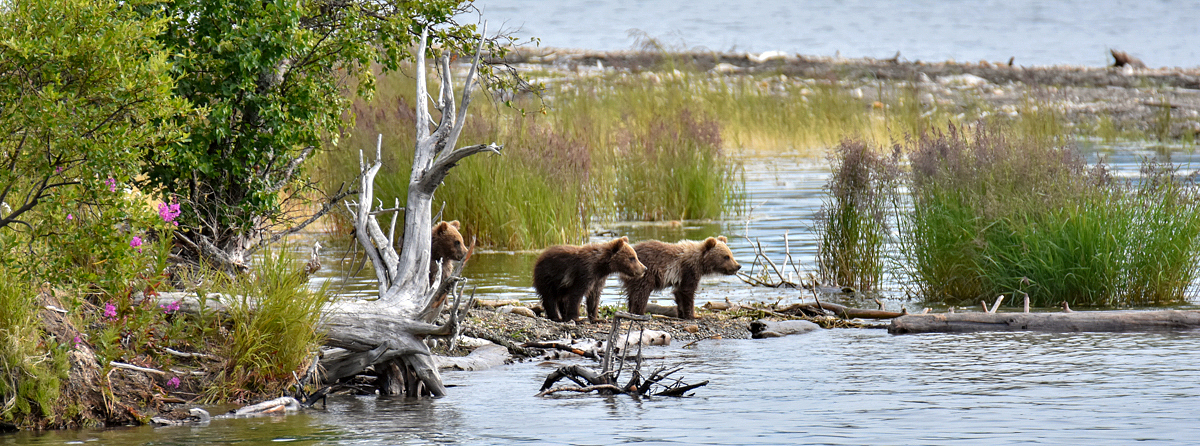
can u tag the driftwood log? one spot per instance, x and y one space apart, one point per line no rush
765 328
1078 321
842 311
388 333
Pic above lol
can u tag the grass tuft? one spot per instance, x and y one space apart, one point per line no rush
852 224
270 329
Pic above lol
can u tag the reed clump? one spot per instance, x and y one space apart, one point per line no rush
993 213
274 304
852 224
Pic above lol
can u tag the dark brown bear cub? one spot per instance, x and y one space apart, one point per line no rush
447 246
679 265
564 274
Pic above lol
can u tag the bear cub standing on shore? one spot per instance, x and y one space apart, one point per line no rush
447 246
564 274
679 265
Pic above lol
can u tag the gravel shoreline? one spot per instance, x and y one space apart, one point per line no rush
1134 99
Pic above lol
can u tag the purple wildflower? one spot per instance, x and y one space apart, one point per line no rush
173 382
170 308
112 184
78 341
136 242
169 212
110 310
70 217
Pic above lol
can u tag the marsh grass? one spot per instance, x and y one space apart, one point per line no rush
852 224
271 328
601 151
996 214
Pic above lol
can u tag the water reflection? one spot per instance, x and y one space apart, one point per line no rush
828 387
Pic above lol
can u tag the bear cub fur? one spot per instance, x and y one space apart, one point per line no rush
679 265
447 246
564 274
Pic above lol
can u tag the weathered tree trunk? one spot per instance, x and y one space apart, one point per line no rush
386 332
1079 321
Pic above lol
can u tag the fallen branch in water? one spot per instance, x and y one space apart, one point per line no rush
613 364
561 346
1078 321
768 266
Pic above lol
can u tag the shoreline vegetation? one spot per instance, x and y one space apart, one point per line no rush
638 135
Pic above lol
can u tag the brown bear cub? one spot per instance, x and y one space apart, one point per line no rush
564 274
679 265
447 246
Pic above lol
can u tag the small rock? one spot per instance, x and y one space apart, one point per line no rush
649 337
726 67
516 310
693 328
964 80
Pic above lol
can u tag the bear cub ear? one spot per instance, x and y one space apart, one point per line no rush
455 224
710 243
722 239
616 244
440 228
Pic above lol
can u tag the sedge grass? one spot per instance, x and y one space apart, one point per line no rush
272 328
998 214
852 224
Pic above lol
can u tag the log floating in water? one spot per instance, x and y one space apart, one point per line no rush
765 328
1079 321
840 310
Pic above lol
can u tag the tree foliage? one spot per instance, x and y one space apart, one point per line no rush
274 82
84 92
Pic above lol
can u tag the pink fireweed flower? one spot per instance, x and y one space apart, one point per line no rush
112 184
110 310
169 212
170 308
173 382
70 217
77 340
136 242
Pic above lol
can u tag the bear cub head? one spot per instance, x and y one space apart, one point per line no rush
623 259
447 242
717 257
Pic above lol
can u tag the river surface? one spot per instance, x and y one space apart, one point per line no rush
1163 33
827 387
850 387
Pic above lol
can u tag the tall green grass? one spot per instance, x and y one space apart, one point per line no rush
272 328
32 366
852 224
996 214
599 152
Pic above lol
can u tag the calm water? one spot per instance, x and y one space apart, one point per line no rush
828 387
1076 32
